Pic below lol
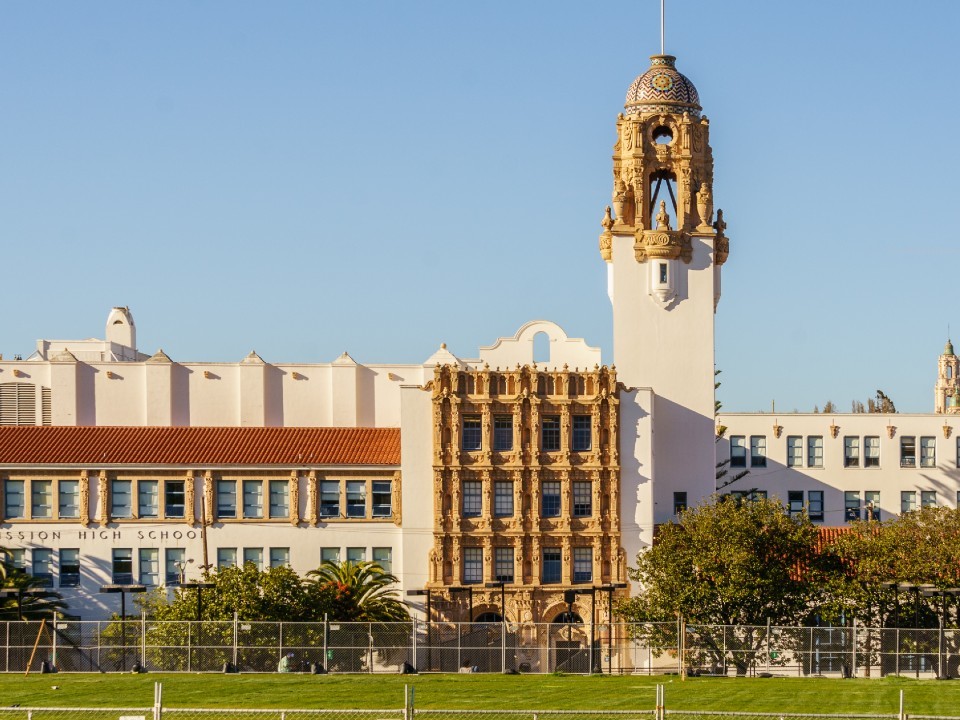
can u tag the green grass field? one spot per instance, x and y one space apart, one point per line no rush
494 692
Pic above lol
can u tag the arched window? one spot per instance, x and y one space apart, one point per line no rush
568 618
489 617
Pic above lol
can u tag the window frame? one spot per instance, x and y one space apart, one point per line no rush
553 561
871 451
738 451
471 498
758 451
814 451
472 565
907 459
503 433
851 451
582 489
794 450
582 556
69 569
502 561
550 432
503 505
555 495
471 437
581 439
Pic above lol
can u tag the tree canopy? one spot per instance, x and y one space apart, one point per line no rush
361 591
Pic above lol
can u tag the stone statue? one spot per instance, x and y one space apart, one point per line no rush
720 225
663 220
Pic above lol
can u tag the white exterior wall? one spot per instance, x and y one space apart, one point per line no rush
890 479
669 348
637 495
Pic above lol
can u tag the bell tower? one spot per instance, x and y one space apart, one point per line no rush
664 248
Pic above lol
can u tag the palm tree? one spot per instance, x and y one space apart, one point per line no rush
360 591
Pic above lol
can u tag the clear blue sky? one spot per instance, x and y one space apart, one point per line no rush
303 178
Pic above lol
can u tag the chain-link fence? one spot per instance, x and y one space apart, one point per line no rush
651 648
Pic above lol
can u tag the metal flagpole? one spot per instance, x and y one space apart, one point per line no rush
662 15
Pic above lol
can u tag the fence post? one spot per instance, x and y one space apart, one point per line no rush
503 645
413 643
326 634
235 628
853 672
189 646
280 656
7 662
143 638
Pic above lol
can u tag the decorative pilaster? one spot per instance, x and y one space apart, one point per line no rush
312 515
103 493
84 498
208 498
294 498
396 488
189 499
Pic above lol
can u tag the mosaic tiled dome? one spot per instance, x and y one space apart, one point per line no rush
662 89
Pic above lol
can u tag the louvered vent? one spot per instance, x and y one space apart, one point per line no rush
46 409
18 404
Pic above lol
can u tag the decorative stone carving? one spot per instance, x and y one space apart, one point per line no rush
705 206
721 242
396 500
891 431
947 431
777 430
84 499
189 499
311 516
835 430
103 495
294 485
208 498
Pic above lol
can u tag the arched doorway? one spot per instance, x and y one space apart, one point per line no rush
569 650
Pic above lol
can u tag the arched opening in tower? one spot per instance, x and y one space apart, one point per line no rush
663 187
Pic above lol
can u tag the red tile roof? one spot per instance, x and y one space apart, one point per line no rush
197 446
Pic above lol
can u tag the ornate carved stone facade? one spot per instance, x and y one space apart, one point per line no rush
947 390
526 487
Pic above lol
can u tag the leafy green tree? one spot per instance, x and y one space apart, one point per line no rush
36 602
361 591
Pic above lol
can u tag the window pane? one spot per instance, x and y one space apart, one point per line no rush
279 499
908 451
738 451
552 565
383 556
551 433
382 499
550 499
582 564
928 498
928 452
503 572
815 505
69 567
871 451
356 499
330 499
330 554
253 556
471 432
472 565
795 501
794 451
69 499
149 566
908 501
502 432
582 499
503 498
582 440
120 499
279 556
176 566
679 502
13 499
226 499
851 451
871 501
147 502
356 554
42 568
42 499
851 505
814 451
471 498
122 566
226 557
174 498
252 499
758 450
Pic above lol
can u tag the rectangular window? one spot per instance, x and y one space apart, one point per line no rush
148 494
472 432
550 499
329 498
503 498
851 505
279 556
794 451
582 565
472 565
69 567
226 557
795 501
17 558
226 499
582 499
871 451
815 451
330 554
122 566
471 498
908 501
758 451
928 452
175 566
120 498
815 505
69 499
253 499
871 505
150 566
356 498
908 451
253 556
382 499
503 570
383 556
13 499
679 502
851 451
174 498
356 554
551 433
738 451
502 432
552 565
582 433
42 565
41 499
279 499
928 498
